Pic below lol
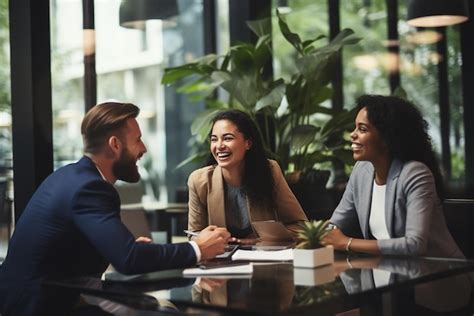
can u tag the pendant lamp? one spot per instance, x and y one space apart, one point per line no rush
135 13
434 13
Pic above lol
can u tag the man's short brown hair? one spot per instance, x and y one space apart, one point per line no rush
102 120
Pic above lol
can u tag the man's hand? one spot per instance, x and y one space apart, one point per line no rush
143 240
211 241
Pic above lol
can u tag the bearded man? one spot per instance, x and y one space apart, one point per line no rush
71 226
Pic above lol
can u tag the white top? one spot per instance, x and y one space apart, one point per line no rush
381 277
377 223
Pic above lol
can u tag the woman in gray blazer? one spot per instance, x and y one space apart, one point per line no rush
395 188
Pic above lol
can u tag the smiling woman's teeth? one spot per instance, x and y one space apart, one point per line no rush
223 155
356 146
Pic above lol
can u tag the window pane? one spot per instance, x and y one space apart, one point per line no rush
368 64
457 180
419 77
67 73
130 64
6 171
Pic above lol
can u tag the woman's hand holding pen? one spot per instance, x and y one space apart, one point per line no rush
212 241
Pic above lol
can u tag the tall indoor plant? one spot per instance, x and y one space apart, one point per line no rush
292 108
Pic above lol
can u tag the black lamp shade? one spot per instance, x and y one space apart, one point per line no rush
134 13
433 13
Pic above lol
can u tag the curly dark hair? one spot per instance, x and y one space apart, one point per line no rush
257 180
403 129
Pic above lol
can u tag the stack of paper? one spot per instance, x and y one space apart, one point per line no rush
260 255
240 269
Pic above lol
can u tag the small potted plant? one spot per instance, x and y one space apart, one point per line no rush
309 252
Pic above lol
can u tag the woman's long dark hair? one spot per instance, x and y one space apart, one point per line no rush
404 130
257 180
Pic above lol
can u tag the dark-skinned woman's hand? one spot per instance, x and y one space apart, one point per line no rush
336 238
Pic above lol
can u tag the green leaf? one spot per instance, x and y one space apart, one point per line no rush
272 99
323 94
261 27
344 155
243 89
312 234
195 86
216 104
314 67
308 43
199 96
262 55
225 62
243 60
302 135
339 122
219 77
196 158
400 92
263 41
345 37
201 125
293 38
173 74
207 60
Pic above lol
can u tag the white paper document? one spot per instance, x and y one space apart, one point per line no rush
261 255
239 269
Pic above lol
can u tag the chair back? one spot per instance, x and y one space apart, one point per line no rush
130 193
459 215
136 222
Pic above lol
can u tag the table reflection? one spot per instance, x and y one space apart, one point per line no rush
249 293
433 284
280 287
445 295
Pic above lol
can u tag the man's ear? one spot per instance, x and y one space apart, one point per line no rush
115 145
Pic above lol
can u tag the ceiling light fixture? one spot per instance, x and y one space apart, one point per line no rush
134 13
434 13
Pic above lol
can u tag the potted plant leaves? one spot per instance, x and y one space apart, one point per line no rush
309 252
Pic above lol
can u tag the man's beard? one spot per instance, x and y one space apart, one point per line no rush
125 168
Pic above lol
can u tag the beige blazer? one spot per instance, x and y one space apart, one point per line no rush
206 201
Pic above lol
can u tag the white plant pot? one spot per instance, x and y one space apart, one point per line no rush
312 258
313 277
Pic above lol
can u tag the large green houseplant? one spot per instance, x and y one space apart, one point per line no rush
306 131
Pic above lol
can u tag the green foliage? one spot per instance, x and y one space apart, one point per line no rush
4 58
306 131
312 233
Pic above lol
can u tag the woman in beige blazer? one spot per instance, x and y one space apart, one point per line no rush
240 185
395 190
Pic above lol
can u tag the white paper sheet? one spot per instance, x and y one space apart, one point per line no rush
261 255
243 269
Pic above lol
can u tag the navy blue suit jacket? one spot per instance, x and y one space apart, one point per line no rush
72 227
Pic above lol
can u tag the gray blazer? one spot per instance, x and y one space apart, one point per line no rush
413 212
